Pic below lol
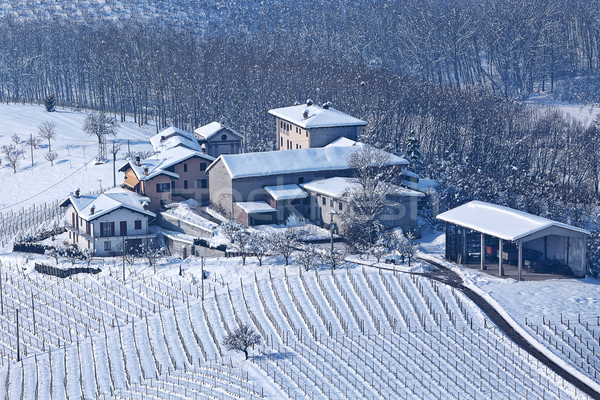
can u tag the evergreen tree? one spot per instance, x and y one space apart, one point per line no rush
49 103
413 154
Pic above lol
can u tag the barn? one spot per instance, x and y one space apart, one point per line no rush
483 233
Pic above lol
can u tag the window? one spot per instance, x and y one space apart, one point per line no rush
223 137
324 200
163 187
107 229
281 142
202 166
172 185
331 203
301 179
340 205
106 246
185 184
123 228
201 183
137 224
184 167
306 133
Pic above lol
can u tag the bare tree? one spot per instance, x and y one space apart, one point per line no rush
333 257
285 243
258 245
12 156
230 228
51 156
99 125
241 241
241 339
307 257
47 131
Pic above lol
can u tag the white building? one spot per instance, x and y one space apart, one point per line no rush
108 223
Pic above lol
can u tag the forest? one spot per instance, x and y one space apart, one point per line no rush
451 74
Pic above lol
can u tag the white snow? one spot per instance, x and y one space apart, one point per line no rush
291 161
75 166
285 192
209 130
107 202
172 137
499 221
255 207
318 117
159 163
338 187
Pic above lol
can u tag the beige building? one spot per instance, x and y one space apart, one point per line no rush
309 125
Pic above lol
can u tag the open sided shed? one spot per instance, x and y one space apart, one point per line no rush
540 243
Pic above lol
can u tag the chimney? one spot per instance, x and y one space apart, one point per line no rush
305 114
162 138
145 170
92 210
77 193
203 148
138 161
327 105
309 102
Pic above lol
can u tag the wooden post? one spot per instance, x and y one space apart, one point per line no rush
500 251
482 251
520 258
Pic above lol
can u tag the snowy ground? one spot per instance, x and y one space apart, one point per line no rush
583 113
75 166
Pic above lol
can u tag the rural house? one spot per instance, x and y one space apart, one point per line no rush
172 175
108 223
263 187
310 125
332 195
216 139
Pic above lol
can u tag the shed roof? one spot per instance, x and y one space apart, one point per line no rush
339 187
255 207
172 137
286 192
317 116
502 222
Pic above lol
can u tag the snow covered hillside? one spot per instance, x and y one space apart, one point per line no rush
350 333
75 166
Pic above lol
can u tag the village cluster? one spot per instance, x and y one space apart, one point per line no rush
308 177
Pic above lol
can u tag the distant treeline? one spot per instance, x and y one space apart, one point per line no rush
473 136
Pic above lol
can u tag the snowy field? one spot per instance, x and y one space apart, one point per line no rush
75 166
350 333
561 315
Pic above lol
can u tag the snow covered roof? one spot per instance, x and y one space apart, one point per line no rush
255 207
342 141
209 130
317 116
286 192
159 163
107 202
499 221
338 187
292 161
173 137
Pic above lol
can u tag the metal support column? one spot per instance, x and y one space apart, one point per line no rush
500 251
482 251
520 259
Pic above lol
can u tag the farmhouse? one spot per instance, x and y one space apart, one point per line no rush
332 195
109 223
309 125
262 188
216 139
514 237
176 174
